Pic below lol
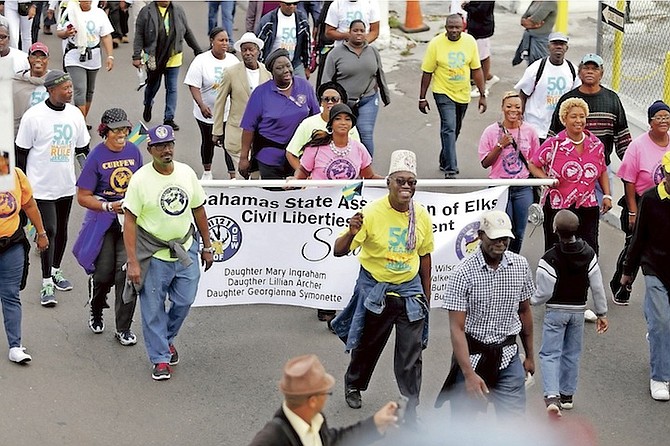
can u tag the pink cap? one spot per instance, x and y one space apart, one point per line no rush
38 46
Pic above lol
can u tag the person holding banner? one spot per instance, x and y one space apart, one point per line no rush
332 155
163 201
505 148
99 248
576 158
395 238
14 249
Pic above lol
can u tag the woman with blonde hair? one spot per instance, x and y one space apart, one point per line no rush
576 158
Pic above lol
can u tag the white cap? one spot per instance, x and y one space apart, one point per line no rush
496 224
248 38
403 161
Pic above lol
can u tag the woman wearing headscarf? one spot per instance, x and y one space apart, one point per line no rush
357 66
14 249
99 249
640 170
203 78
505 147
576 158
273 113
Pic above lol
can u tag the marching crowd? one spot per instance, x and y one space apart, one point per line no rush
145 228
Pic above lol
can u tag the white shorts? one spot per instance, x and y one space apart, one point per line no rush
484 48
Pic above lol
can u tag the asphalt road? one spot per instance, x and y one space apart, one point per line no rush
83 388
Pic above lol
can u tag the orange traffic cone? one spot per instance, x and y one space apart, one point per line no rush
413 18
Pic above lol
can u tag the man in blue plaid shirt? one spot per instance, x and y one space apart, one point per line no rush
488 298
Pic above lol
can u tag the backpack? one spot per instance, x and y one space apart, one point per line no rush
543 63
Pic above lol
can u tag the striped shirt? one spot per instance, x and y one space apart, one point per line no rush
490 298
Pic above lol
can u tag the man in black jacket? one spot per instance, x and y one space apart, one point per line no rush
287 28
650 249
160 31
306 387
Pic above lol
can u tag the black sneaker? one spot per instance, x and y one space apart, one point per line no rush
553 404
161 371
126 337
95 323
174 356
172 124
146 115
622 296
353 398
566 402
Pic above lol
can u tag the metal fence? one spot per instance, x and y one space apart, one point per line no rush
643 51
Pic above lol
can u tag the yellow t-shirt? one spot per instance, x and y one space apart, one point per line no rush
450 63
12 201
383 237
175 59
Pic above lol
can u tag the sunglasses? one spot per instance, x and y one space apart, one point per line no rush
331 99
402 181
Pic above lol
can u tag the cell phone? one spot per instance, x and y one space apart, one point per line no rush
402 406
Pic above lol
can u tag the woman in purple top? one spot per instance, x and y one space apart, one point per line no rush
274 111
99 248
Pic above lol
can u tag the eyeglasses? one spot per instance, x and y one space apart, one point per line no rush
38 56
400 181
331 99
162 146
4 37
125 130
665 118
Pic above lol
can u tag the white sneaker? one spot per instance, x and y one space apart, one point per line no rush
659 390
475 92
207 175
19 355
590 316
491 82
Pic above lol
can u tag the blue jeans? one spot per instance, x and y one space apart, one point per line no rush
562 335
367 117
599 190
227 13
508 396
657 314
451 120
519 198
11 271
172 281
153 85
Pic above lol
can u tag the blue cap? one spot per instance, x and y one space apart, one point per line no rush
160 134
592 58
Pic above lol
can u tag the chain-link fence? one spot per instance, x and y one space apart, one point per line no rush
644 48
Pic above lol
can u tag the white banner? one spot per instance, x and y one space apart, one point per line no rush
277 247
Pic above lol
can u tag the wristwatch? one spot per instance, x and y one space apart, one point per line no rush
209 250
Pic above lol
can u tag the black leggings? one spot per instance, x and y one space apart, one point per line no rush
207 146
55 215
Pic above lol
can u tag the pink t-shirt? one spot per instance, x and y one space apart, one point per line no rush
641 164
577 174
509 164
324 164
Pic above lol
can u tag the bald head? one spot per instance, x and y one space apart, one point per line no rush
566 223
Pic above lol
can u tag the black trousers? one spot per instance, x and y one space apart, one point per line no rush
615 283
55 216
109 272
407 362
589 218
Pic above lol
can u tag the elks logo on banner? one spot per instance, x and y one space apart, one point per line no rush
276 247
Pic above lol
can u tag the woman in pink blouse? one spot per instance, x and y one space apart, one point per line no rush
576 158
505 147
640 170
332 155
